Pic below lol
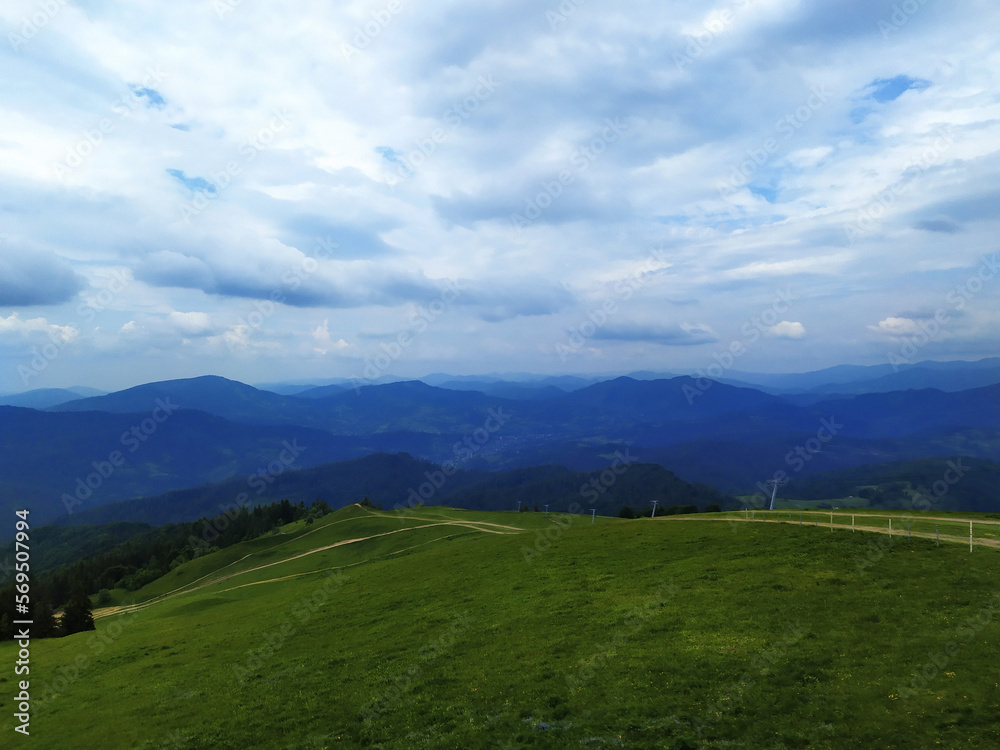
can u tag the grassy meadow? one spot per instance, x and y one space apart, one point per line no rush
441 628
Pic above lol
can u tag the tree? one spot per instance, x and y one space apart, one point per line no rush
626 512
79 614
6 627
44 621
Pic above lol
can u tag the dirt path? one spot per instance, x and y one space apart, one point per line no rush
846 527
191 587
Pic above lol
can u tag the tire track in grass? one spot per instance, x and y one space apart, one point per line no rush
187 588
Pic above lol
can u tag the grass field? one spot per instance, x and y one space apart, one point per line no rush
455 629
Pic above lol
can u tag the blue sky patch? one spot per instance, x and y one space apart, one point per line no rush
885 90
194 184
152 96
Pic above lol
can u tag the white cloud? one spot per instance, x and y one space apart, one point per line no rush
896 326
13 324
191 323
732 163
787 330
324 343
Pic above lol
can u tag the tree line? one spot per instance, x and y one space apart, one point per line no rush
61 598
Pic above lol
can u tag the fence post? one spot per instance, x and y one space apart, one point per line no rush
937 536
890 527
831 522
852 523
970 536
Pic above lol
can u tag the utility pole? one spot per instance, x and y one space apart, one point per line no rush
775 483
654 508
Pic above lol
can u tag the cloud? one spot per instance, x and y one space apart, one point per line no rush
667 335
515 298
13 324
324 343
897 326
787 330
745 151
191 323
290 277
30 278
941 226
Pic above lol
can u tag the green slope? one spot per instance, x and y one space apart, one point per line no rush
443 628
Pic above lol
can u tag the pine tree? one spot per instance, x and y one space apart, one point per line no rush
78 615
6 627
44 621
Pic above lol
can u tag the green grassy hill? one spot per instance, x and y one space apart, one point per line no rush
442 628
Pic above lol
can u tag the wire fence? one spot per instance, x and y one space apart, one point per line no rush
971 531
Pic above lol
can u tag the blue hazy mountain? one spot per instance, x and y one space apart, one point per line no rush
705 431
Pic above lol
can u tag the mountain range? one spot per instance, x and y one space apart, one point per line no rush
171 435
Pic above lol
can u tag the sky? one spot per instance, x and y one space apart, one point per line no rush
360 189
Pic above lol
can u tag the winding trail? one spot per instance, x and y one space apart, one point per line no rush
214 577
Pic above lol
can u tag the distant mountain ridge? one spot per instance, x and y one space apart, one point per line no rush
400 480
703 430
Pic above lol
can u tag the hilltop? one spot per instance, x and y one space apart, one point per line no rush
446 628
